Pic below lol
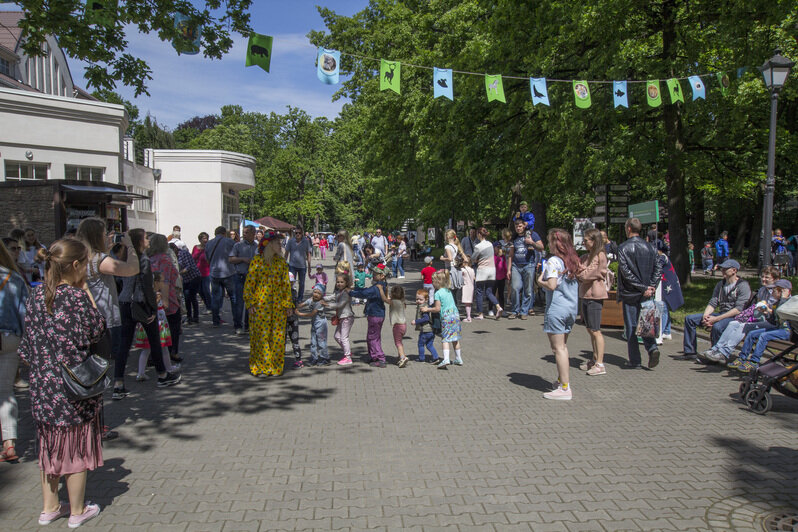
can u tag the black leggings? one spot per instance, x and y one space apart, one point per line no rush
128 332
485 288
175 328
500 291
190 291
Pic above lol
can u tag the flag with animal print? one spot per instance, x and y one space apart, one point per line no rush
101 12
189 35
540 93
390 76
442 83
653 94
328 66
675 88
582 94
494 87
259 51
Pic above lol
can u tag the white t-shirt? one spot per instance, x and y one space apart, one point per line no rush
555 267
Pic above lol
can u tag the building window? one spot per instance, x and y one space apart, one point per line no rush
84 173
24 170
229 205
5 67
143 205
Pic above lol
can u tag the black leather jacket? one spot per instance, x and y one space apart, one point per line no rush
638 268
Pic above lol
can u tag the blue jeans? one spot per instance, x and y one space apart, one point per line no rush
218 287
523 281
318 340
205 292
240 314
426 339
761 337
397 266
299 275
692 321
631 313
707 264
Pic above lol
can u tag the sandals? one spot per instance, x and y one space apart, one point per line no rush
403 362
9 454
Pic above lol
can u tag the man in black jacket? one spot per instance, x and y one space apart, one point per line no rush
638 275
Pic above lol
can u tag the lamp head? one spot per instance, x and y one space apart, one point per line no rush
775 71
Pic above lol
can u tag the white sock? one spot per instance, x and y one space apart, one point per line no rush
457 355
145 354
446 356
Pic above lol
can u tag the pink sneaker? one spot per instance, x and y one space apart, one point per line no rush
346 361
45 518
559 394
90 511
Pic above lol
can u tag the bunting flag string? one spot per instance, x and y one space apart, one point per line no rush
189 35
582 94
495 88
259 50
442 83
676 90
653 94
540 92
391 76
698 88
620 94
327 65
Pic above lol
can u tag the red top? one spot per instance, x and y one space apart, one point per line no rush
426 273
201 260
323 242
501 267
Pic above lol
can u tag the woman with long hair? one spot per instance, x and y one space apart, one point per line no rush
345 253
483 261
558 279
61 321
101 269
593 291
452 250
138 295
267 297
13 294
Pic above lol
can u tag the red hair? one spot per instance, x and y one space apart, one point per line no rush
562 246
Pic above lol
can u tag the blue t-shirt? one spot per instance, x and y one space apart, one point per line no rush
444 295
523 253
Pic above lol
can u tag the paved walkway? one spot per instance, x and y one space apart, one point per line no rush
474 447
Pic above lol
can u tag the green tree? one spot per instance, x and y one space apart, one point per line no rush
149 134
104 46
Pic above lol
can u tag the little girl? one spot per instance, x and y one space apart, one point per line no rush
501 272
469 280
376 298
314 309
344 315
423 323
450 318
320 277
165 334
398 321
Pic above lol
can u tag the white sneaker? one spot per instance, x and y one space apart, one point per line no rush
559 394
667 337
491 314
239 332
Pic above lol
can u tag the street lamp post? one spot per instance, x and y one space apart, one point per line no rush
775 72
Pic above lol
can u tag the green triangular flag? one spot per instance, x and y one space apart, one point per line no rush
391 76
101 12
494 88
653 94
723 80
259 50
582 94
675 90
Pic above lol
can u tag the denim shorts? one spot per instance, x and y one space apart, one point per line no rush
558 323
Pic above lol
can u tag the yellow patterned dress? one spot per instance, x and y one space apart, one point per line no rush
268 290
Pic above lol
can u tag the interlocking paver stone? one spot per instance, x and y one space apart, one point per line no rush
471 448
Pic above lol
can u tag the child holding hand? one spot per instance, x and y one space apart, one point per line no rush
423 324
398 321
375 297
426 276
319 356
450 318
344 315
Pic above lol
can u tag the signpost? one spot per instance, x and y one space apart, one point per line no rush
612 203
647 212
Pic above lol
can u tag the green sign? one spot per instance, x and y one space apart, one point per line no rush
647 212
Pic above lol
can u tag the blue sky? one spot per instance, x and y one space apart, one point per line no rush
186 86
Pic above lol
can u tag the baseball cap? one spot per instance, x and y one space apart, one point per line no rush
320 287
319 267
730 263
783 283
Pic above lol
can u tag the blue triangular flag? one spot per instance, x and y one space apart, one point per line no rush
540 94
442 83
619 94
698 87
327 65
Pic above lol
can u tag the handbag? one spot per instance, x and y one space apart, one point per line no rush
85 380
648 325
140 311
335 320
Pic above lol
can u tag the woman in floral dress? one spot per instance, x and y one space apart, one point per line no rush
61 321
267 296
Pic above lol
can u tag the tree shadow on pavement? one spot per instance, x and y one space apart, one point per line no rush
762 473
106 483
609 358
533 382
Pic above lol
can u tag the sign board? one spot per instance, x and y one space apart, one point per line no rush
647 212
601 199
600 189
618 209
602 219
619 198
620 188
580 226
618 220
600 209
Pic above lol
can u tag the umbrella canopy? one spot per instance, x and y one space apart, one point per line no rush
274 223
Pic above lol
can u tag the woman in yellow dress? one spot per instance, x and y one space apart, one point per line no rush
267 296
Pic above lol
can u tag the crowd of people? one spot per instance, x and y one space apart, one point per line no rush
101 293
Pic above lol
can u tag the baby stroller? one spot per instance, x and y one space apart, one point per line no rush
779 372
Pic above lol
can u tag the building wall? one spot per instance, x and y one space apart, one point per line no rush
139 179
195 207
61 131
24 207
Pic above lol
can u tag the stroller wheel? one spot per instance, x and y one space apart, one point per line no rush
759 401
745 387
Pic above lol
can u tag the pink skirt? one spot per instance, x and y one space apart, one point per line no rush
399 330
67 450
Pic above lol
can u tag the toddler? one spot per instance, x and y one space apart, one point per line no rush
691 256
360 279
376 298
141 341
398 321
450 318
318 331
467 294
423 324
320 277
706 258
426 276
344 316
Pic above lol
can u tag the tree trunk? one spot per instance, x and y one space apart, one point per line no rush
699 226
755 239
742 230
674 149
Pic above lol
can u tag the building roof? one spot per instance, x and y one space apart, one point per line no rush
10 32
8 81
